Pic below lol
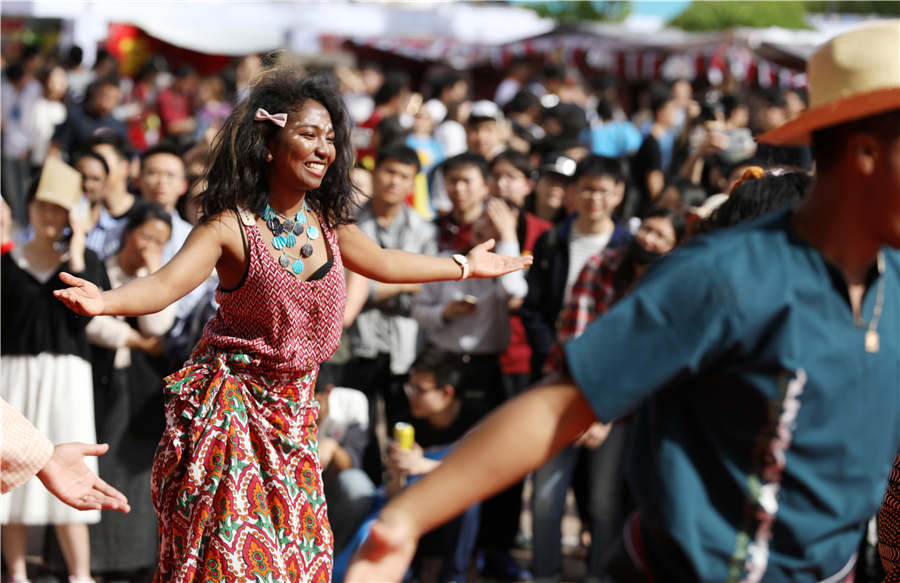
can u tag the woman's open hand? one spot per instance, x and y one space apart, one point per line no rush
486 264
67 477
82 297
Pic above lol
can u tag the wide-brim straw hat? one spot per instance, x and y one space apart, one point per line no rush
852 76
59 184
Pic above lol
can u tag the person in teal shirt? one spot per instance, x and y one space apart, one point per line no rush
753 386
761 365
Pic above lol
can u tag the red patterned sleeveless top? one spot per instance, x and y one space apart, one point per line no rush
290 325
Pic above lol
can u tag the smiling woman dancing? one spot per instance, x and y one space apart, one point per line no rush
236 480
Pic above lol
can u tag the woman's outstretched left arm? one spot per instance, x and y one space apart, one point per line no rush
364 256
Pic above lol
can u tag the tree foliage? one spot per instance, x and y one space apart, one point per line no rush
880 7
714 16
579 11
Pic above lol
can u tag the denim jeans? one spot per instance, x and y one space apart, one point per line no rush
350 495
454 543
607 494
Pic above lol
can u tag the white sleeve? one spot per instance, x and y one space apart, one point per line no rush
513 283
108 332
159 323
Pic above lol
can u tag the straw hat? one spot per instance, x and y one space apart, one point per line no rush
853 76
59 184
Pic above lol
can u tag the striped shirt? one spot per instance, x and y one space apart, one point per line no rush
106 236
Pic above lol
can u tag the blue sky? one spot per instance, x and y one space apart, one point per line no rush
662 9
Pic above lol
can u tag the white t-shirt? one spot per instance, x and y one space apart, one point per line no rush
346 407
43 118
581 247
452 136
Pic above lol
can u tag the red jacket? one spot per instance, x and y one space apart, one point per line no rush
517 358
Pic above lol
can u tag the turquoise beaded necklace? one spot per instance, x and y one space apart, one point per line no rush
285 231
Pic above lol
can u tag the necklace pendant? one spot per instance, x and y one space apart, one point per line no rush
284 260
274 225
278 242
306 250
288 225
312 232
297 266
300 219
289 239
873 342
298 229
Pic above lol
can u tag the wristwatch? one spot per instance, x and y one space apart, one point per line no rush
463 262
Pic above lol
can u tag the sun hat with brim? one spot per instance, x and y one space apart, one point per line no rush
59 184
852 76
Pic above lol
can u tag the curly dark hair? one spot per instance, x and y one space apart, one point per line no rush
238 175
755 198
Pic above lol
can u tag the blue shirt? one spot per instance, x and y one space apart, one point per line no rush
80 126
759 412
429 150
615 139
180 231
666 142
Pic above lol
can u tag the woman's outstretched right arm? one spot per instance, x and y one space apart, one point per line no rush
147 295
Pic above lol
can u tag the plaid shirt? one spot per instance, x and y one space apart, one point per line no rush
591 295
23 450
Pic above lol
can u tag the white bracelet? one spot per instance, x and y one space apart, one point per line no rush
463 262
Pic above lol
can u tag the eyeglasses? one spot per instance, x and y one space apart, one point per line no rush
162 175
412 390
590 193
146 239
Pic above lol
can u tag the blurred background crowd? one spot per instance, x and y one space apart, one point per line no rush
595 136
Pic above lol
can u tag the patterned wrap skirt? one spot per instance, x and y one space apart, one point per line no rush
236 482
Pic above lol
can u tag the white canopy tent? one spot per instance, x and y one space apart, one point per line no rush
458 33
242 27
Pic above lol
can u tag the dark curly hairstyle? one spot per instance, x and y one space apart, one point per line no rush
239 174
755 198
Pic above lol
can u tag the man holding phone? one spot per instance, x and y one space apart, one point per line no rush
470 318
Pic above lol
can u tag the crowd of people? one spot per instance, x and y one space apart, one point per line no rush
130 184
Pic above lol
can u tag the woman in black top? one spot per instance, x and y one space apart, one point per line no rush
45 373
